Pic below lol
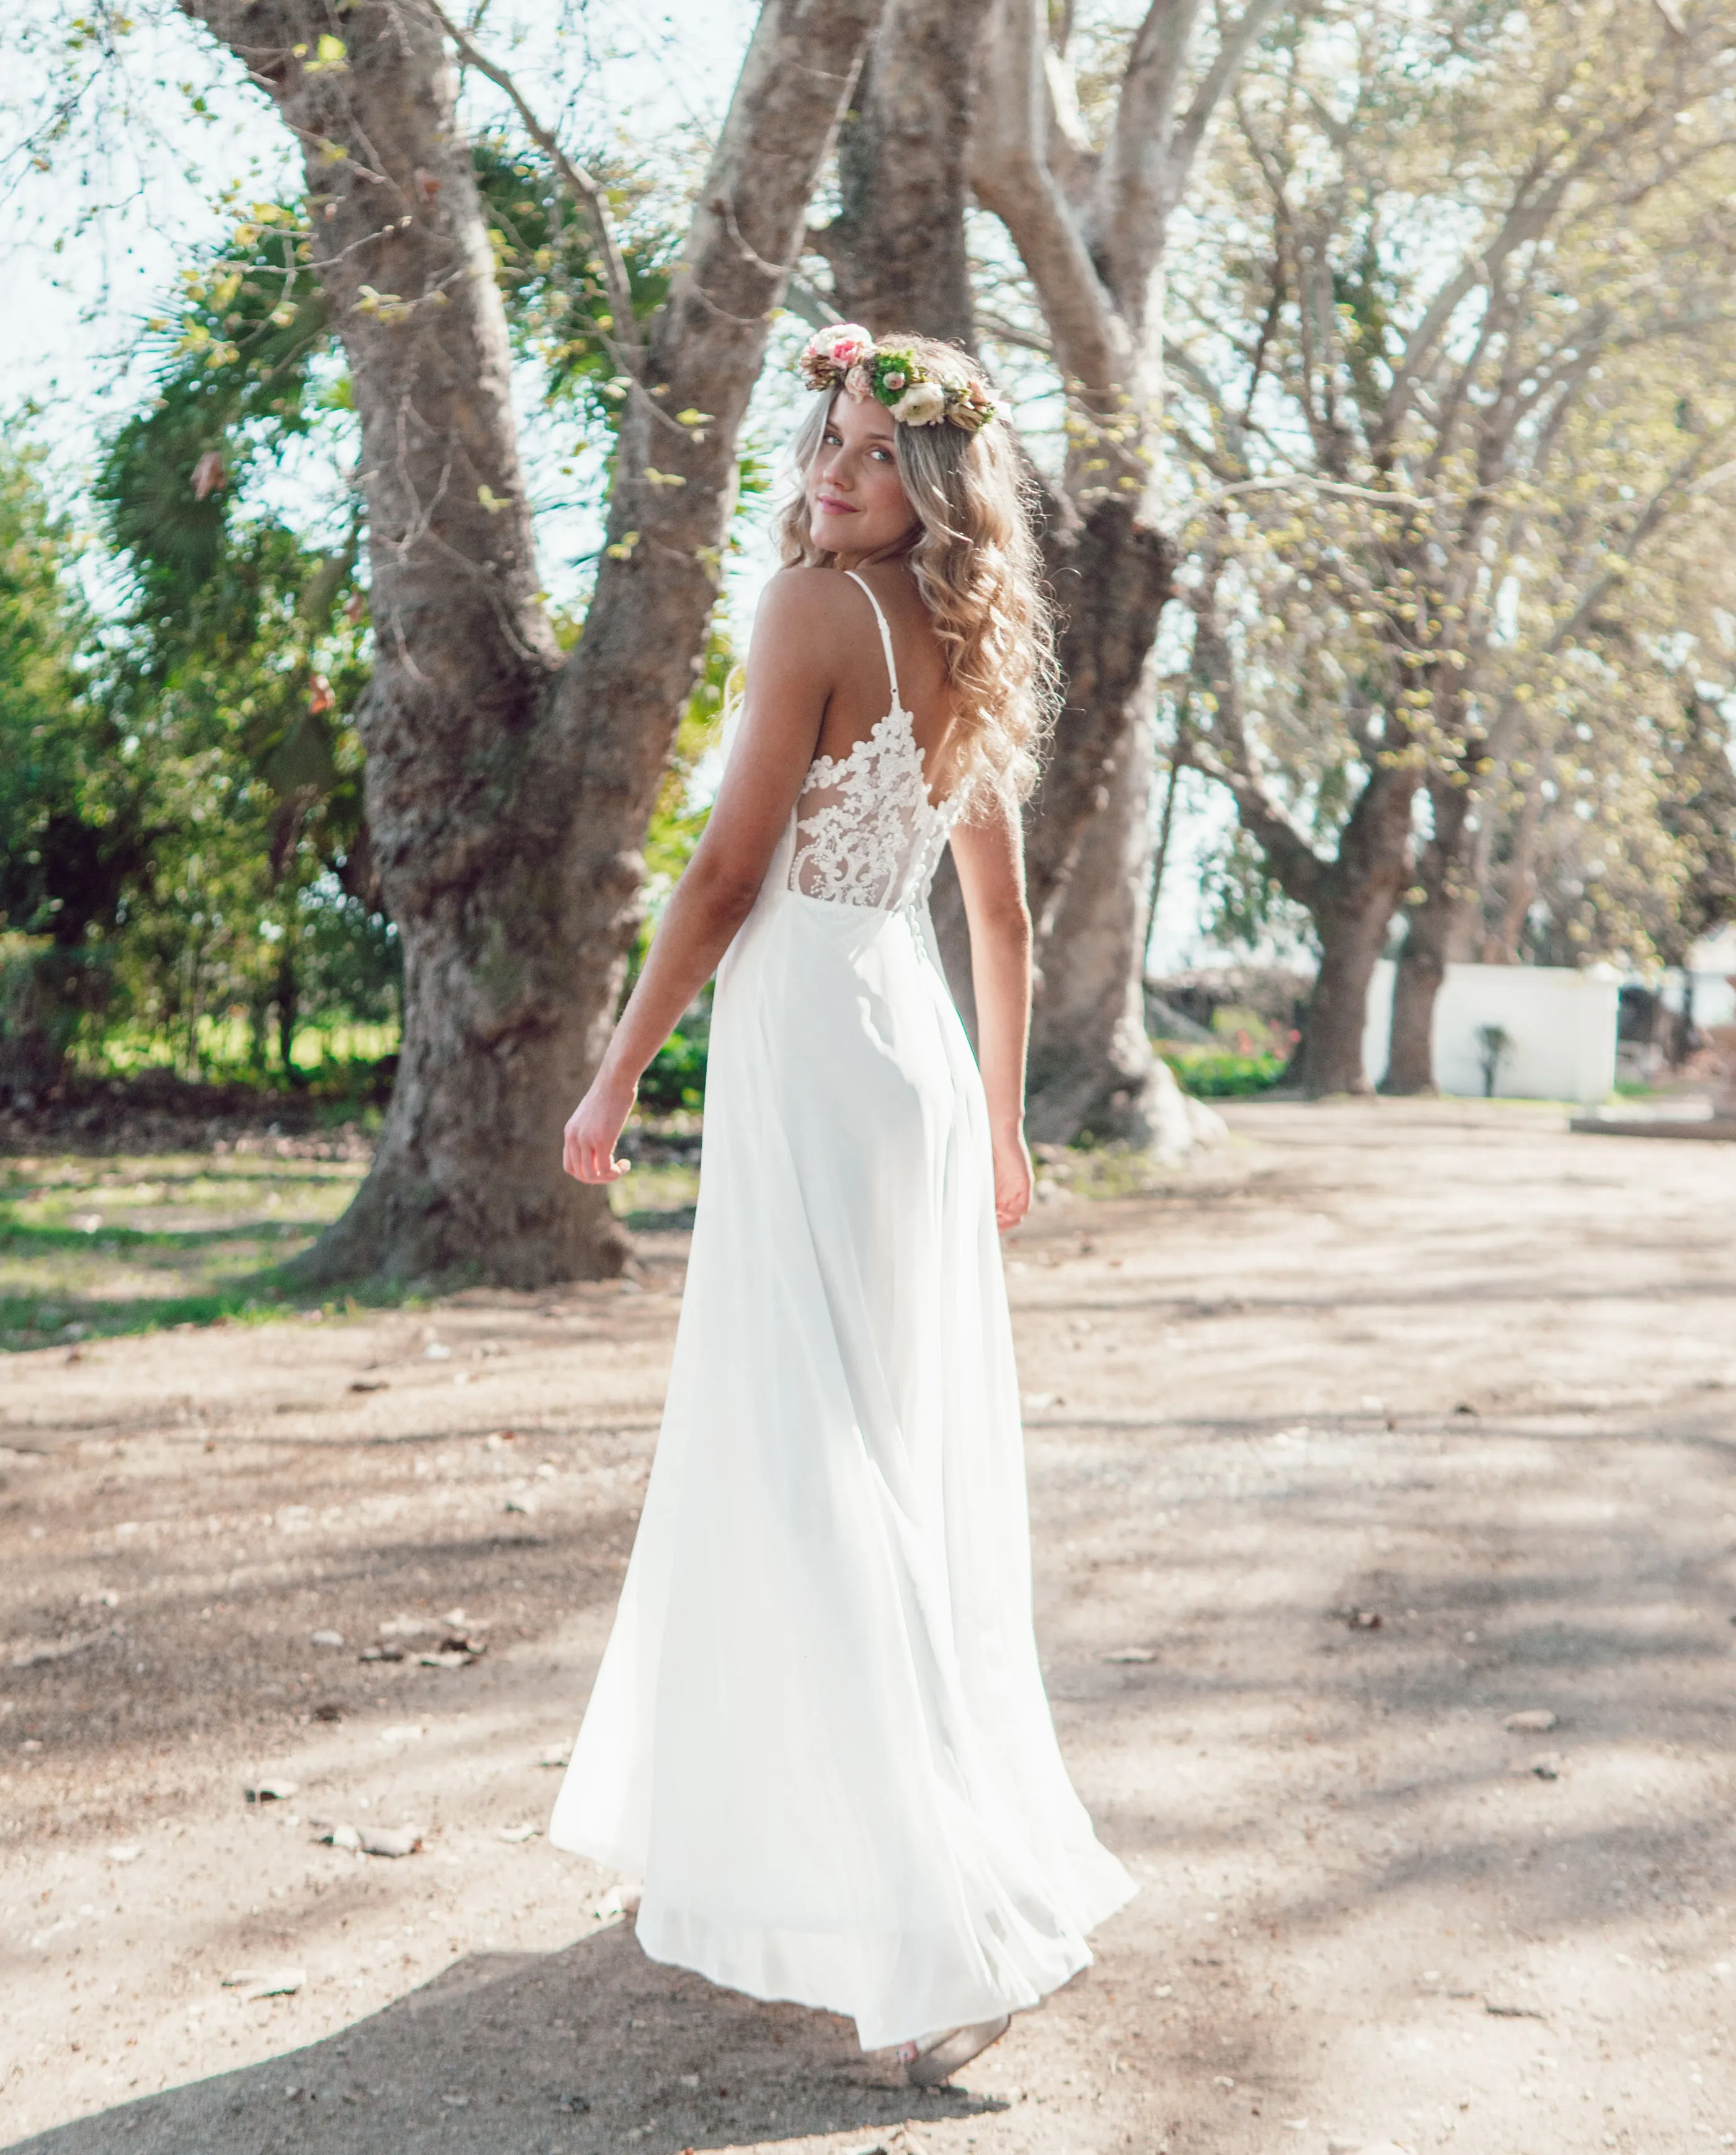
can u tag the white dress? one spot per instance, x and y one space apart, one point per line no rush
819 1733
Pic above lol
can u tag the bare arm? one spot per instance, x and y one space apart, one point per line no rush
989 854
788 683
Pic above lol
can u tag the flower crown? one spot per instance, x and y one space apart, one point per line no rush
844 356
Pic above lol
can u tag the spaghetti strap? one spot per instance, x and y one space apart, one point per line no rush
885 636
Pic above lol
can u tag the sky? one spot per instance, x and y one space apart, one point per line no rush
160 131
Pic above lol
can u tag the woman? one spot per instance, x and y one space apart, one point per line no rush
819 1732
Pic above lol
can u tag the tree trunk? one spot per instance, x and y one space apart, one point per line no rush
1502 948
1433 926
288 999
1353 914
1093 1071
508 794
1089 823
897 246
899 259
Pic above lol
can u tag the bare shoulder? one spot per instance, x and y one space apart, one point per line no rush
814 600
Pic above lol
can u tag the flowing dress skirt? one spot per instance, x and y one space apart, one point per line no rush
819 1733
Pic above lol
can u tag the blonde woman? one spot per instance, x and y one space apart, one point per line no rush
819 1733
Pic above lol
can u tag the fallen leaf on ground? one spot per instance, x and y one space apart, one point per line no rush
387 1840
1534 1721
51 1650
270 1792
1512 2012
369 1384
266 1982
328 1711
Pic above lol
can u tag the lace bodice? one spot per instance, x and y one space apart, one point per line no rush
866 831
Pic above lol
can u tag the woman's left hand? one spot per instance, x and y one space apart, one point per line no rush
1013 1180
593 1130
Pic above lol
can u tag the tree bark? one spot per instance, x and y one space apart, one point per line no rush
507 794
1356 898
1093 1070
1432 928
1091 229
897 248
1111 575
1089 838
1502 948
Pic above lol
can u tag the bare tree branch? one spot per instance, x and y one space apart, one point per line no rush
623 342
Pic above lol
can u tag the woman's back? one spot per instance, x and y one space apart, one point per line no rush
861 699
868 831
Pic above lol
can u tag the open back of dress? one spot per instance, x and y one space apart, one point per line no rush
819 1732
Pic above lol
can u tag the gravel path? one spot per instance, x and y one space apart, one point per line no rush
1386 1424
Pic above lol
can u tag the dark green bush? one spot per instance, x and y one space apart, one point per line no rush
677 1076
1210 1073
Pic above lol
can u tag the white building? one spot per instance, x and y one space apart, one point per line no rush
1711 970
1560 1025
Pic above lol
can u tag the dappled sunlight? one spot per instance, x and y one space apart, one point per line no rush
1319 1503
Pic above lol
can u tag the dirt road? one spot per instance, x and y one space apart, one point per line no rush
1390 1422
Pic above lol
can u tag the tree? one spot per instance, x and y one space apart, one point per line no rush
1463 228
897 248
66 851
1088 202
508 786
233 675
979 96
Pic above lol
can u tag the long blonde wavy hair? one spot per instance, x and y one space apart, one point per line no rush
977 565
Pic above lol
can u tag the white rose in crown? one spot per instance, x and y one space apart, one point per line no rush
920 405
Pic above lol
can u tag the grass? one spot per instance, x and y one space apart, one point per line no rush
93 1247
225 1050
653 1196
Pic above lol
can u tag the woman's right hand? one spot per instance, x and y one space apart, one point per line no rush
593 1130
1014 1177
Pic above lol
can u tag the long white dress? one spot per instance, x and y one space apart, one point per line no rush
819 1733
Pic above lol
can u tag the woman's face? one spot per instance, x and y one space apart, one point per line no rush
856 504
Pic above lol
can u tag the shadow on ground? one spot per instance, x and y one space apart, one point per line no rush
590 2049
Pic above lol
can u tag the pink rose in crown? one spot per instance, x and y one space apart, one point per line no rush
845 344
833 353
859 382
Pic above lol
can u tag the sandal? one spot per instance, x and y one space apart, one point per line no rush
932 2064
